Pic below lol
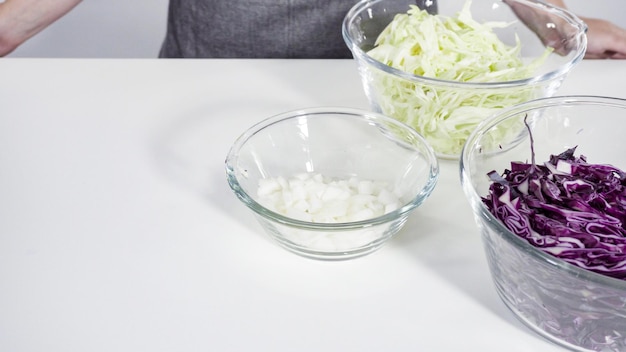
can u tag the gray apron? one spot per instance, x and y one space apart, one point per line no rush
256 29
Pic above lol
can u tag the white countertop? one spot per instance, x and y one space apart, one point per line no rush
118 231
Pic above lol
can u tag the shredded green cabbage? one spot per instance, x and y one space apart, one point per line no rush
458 49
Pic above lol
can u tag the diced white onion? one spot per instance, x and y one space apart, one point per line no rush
315 198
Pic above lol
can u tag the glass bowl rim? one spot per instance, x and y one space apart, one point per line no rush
554 74
495 224
363 115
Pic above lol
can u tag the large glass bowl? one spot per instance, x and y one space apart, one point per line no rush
445 112
348 146
574 307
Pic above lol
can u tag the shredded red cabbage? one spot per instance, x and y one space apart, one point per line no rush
566 207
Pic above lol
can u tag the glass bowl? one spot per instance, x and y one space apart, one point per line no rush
574 307
446 111
331 183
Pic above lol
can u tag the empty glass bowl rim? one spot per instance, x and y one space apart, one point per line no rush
370 117
510 237
554 74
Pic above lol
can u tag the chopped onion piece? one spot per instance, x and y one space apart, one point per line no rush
315 198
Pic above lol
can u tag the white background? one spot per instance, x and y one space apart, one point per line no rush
136 28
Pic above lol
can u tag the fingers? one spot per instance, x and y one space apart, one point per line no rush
605 40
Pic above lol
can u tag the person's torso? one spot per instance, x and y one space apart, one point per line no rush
256 28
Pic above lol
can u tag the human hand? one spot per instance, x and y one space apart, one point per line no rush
605 40
553 30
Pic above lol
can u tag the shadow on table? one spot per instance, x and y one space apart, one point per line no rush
442 236
191 150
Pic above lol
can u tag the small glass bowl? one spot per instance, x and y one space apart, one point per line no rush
342 144
574 307
443 111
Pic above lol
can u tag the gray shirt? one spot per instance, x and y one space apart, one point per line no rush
256 29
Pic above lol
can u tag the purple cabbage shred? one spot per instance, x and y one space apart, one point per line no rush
566 207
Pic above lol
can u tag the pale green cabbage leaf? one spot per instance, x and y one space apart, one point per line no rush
458 49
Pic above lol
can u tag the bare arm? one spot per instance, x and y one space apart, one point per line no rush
605 40
558 3
22 19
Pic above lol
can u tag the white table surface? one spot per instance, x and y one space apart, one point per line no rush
118 231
